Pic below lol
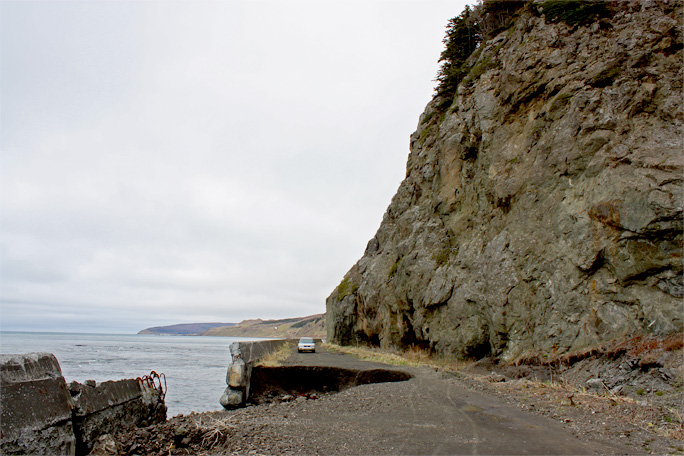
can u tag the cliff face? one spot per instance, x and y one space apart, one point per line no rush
542 213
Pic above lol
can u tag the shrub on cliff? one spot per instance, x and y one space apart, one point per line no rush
464 34
462 38
574 12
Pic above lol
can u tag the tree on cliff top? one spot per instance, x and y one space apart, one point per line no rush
488 18
465 33
462 38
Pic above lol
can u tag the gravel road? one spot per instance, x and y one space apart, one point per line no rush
432 413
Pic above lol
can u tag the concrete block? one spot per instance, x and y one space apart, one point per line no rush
91 399
251 352
39 415
35 415
111 406
248 380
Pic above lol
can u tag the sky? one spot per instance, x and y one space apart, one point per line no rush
170 162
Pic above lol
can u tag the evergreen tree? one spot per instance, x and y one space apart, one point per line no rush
461 39
464 34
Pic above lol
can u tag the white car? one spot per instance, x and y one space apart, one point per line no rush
306 344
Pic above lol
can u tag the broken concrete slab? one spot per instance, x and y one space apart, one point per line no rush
111 406
40 415
35 416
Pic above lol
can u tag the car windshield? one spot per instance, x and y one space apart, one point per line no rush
306 340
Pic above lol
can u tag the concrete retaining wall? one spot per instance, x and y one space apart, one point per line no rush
40 415
243 356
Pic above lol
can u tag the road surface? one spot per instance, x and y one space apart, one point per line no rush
429 414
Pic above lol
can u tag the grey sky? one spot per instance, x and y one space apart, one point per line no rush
167 162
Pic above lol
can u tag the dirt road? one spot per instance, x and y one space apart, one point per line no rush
432 413
429 414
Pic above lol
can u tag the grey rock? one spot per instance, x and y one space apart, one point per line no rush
105 445
231 398
595 384
495 378
617 390
541 214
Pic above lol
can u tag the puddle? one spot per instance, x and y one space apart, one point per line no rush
496 418
471 408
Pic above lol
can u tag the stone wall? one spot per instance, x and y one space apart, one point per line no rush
41 415
243 356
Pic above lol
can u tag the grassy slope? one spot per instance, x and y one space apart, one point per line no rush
185 329
313 326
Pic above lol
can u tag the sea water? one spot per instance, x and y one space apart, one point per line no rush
195 366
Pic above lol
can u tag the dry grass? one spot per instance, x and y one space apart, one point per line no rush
675 429
274 358
660 419
573 393
215 431
412 356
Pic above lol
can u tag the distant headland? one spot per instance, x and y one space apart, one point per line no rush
312 326
184 329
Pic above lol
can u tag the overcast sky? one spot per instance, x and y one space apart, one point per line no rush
172 161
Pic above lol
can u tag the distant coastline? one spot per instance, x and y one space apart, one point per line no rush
184 329
312 325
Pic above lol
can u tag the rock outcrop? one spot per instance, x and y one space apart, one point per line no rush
542 211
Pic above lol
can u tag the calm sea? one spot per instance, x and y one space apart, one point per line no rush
195 366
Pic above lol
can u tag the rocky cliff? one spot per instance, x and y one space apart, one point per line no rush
542 209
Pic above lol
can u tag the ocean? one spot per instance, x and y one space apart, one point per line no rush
195 366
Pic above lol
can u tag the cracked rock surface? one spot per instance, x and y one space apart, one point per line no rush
542 212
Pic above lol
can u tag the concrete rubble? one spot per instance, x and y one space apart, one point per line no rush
42 415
